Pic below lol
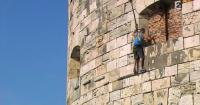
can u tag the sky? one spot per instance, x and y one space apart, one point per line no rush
33 40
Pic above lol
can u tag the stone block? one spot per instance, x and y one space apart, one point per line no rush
187 7
186 100
145 77
120 31
100 70
180 79
114 54
198 86
188 89
168 47
110 103
160 97
152 75
111 65
86 97
114 75
195 65
116 85
93 6
117 102
122 41
136 89
187 19
76 102
126 70
127 7
111 45
146 87
196 16
98 61
126 18
126 92
94 25
131 59
140 5
188 30
132 26
193 53
129 35
126 101
137 100
115 95
125 50
120 2
123 61
148 99
191 41
171 70
116 12
197 28
102 100
197 99
106 57
184 68
103 81
159 73
136 80
148 2
196 5
178 44
88 76
126 82
112 24
195 76
161 83
100 91
174 95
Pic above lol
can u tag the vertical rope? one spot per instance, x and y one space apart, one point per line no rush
136 25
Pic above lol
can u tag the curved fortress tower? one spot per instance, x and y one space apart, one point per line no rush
100 60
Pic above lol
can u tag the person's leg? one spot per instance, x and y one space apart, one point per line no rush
135 67
138 60
136 63
141 60
142 63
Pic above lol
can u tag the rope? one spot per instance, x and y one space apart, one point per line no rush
136 25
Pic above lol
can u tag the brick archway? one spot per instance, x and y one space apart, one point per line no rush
159 23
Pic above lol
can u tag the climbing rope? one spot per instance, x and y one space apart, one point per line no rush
136 25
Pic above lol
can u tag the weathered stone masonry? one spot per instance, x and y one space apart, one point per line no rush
100 61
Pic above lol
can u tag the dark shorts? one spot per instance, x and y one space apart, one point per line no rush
138 52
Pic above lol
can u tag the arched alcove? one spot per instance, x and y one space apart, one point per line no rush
160 21
73 75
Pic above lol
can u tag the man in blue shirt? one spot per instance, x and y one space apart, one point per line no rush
137 43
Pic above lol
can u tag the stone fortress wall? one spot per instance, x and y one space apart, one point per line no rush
100 61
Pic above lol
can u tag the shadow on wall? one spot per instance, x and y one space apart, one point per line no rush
73 75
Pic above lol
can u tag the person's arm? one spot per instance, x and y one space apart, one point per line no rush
149 38
132 37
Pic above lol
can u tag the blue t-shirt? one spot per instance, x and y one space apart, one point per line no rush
138 39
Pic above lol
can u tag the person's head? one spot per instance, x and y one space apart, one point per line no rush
142 30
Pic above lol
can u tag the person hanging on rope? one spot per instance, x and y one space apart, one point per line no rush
137 43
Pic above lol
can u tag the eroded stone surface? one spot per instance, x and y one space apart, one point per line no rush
103 74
